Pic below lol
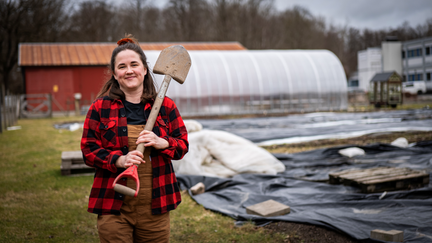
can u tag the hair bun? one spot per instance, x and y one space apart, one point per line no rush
124 41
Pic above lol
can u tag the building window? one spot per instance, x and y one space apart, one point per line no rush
428 76
427 50
353 83
403 54
415 77
415 53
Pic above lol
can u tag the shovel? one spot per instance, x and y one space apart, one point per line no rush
174 62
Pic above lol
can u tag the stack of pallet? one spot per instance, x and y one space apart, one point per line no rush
381 179
72 162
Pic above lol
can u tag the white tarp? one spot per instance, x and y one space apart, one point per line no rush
223 154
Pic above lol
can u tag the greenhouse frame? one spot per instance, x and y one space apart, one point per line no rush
259 82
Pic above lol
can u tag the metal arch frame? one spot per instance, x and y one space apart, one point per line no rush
258 72
228 75
197 81
288 75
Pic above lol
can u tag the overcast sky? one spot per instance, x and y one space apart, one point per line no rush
372 14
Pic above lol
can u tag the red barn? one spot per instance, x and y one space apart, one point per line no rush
64 69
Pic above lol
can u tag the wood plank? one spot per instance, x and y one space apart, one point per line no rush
381 178
368 172
72 155
394 178
72 162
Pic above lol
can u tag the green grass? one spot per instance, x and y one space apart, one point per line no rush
38 204
405 106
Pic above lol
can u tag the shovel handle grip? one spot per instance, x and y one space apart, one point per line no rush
124 190
131 172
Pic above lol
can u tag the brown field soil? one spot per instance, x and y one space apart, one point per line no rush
305 233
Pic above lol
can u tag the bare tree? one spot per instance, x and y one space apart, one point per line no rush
23 21
91 21
142 20
187 20
256 24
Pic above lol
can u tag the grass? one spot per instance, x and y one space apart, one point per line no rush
411 136
405 106
38 204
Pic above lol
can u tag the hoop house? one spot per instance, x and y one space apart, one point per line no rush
259 81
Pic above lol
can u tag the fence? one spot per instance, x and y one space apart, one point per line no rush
9 111
36 106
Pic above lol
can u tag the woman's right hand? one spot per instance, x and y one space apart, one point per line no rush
133 157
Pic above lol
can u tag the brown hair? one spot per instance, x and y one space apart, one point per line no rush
112 86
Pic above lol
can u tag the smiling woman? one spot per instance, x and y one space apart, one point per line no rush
112 130
129 72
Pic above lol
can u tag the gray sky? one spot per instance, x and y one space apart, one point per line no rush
372 14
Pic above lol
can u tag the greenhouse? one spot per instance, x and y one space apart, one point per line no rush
259 81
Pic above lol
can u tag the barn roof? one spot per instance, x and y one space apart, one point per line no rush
95 54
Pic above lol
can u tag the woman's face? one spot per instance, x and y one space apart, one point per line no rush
129 71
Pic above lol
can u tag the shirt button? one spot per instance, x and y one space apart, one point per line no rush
124 179
124 129
120 196
106 126
123 115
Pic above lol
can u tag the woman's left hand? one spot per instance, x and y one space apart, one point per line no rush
151 139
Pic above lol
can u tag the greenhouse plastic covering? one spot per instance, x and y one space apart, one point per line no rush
259 81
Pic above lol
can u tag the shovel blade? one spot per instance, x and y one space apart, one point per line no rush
175 62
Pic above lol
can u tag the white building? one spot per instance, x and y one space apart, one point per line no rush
369 63
417 60
411 59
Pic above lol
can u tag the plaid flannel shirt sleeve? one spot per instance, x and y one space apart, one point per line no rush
177 137
91 145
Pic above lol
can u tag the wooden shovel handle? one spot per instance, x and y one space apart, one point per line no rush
149 127
155 109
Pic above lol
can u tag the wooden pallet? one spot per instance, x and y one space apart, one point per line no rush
73 163
381 179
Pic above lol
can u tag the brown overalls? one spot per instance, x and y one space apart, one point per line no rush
136 222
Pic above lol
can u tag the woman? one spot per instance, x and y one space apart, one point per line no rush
112 130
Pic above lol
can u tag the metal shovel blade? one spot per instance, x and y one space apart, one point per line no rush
173 61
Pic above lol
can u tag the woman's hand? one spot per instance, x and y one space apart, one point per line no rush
151 139
133 157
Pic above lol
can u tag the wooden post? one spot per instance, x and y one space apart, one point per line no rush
50 105
3 113
1 117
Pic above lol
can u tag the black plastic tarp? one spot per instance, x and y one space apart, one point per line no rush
342 208
326 124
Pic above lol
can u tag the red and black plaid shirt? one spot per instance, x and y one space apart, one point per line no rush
105 139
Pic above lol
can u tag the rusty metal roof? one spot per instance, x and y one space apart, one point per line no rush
94 54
